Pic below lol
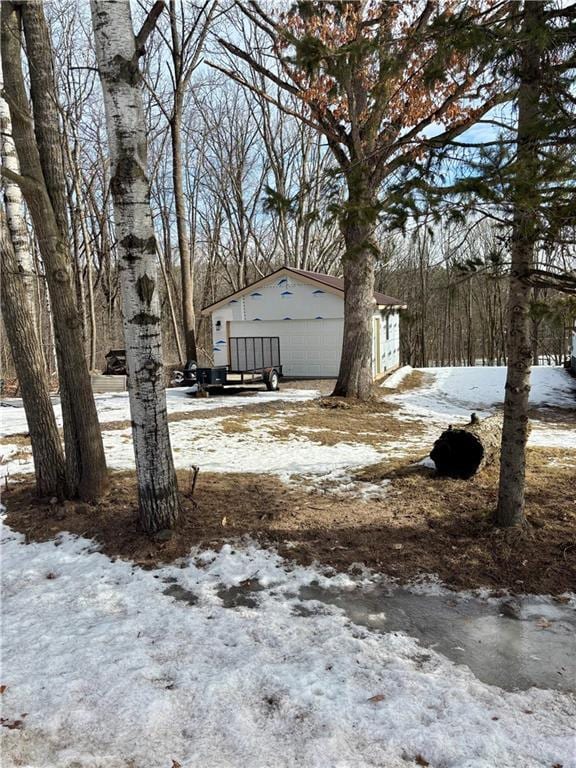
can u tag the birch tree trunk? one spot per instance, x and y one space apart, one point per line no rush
510 509
18 313
28 359
117 54
41 180
13 202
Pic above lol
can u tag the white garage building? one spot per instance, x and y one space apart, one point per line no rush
306 311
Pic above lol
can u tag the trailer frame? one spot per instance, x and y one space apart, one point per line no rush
253 359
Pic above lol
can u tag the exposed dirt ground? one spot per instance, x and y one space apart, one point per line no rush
423 525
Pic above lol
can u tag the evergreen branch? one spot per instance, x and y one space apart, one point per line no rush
544 278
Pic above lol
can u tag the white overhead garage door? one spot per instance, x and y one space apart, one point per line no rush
307 347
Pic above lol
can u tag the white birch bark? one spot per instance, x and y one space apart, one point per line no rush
13 202
117 53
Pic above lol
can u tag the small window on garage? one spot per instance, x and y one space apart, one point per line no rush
387 327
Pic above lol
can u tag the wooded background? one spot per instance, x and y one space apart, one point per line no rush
254 188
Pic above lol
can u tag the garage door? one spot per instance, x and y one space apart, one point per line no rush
307 347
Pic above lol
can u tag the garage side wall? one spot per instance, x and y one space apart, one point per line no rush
389 341
283 299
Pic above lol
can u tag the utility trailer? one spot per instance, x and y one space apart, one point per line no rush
253 359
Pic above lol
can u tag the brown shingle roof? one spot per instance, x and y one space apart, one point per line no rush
335 283
338 284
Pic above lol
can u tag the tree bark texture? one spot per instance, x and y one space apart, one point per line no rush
186 266
117 58
28 359
355 377
462 452
42 182
510 509
13 202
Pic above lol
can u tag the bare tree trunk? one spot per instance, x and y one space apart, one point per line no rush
186 267
42 182
185 51
77 269
117 54
510 510
30 367
355 377
80 209
173 319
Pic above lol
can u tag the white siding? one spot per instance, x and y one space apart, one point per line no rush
283 299
307 347
389 341
309 321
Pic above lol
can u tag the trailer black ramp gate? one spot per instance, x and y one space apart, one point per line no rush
253 353
252 359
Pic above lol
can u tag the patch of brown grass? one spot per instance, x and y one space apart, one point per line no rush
371 423
18 438
413 380
232 426
554 416
425 524
255 409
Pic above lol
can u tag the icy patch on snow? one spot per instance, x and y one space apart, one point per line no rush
113 672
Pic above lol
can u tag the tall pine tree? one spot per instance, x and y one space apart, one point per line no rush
378 79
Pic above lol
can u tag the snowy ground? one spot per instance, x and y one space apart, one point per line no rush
456 392
113 673
114 406
103 669
450 398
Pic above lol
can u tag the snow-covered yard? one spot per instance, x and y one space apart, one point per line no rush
107 665
449 397
113 672
454 393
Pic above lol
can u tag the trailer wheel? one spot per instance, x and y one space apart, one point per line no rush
272 381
